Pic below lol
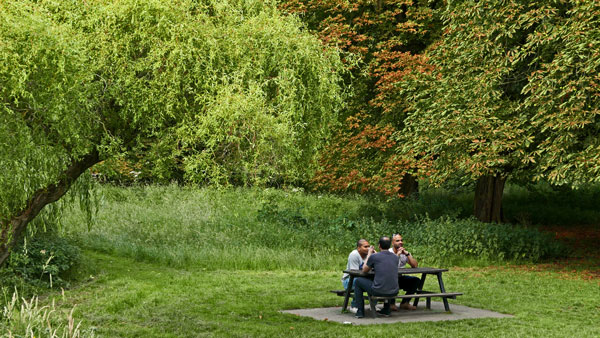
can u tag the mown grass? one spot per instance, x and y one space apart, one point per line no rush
126 298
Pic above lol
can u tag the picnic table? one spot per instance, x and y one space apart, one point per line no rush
420 292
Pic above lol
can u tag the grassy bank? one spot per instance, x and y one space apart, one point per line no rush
254 229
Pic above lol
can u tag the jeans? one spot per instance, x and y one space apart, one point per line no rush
362 284
345 283
408 284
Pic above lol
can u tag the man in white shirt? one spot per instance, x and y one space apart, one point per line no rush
406 283
356 259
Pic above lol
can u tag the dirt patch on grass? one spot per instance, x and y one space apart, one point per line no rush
583 261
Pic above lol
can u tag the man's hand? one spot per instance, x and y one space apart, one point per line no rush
371 251
402 251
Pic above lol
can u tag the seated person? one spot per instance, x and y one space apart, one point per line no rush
406 283
385 282
356 260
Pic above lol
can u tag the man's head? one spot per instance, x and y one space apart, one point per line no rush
362 246
385 243
397 241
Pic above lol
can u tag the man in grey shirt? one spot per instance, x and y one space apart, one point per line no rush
355 261
385 283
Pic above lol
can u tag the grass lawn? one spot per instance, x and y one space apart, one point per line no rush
127 298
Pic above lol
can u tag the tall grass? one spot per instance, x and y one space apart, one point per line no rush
276 229
28 318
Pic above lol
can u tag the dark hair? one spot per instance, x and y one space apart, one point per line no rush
360 241
385 243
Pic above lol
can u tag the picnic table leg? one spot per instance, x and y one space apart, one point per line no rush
347 296
443 290
420 288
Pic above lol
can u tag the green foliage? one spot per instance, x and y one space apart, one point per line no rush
227 91
249 96
41 85
387 39
449 241
513 93
565 94
43 260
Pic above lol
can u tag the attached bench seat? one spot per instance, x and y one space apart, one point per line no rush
419 294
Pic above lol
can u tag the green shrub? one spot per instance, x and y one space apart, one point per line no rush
449 241
444 240
43 260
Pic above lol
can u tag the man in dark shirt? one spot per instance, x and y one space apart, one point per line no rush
385 284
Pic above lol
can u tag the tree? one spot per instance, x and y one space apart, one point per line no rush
381 41
564 96
494 107
81 82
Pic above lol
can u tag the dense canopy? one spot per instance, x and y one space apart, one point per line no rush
513 93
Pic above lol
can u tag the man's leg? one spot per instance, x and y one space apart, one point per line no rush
387 304
410 285
361 285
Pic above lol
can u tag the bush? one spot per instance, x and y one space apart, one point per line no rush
43 260
449 241
444 240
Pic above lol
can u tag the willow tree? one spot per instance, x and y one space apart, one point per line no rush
232 82
478 114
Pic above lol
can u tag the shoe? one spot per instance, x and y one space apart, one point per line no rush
359 314
393 308
353 309
407 306
384 313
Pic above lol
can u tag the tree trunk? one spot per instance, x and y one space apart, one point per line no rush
488 199
12 229
408 185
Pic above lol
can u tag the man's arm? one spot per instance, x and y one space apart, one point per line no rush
410 259
367 268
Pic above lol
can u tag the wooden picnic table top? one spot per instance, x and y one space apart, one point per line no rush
401 271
